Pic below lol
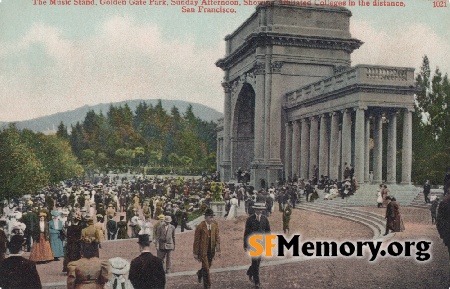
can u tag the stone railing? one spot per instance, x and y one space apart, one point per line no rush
360 74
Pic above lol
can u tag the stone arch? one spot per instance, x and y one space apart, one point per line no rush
243 132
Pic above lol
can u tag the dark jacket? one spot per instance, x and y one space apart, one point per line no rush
252 226
147 272
12 271
443 220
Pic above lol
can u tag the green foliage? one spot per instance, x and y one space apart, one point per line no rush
30 161
431 126
217 191
150 136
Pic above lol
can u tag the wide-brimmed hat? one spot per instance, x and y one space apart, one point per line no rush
259 206
56 213
42 214
209 213
161 217
119 266
167 219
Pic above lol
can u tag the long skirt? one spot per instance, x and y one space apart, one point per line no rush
41 251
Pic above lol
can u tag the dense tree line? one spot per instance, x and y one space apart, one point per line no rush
431 126
30 161
149 137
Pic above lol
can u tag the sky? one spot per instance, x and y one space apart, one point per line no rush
55 58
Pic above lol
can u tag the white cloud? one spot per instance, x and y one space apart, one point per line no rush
121 60
403 45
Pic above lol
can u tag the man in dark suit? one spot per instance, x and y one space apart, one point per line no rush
111 228
443 221
256 223
13 268
31 221
146 270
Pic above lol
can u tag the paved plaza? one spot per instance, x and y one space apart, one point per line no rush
229 269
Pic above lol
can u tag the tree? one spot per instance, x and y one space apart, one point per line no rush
431 125
186 161
21 170
62 131
155 157
139 151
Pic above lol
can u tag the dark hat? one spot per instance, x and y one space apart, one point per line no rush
16 243
144 240
209 213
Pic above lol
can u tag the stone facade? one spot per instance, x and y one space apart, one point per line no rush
293 102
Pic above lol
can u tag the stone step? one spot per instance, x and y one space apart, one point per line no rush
372 220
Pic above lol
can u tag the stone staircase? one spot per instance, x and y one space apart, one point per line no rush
419 201
374 221
366 196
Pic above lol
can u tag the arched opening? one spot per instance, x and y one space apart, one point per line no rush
244 129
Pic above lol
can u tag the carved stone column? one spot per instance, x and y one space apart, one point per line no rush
226 163
289 157
346 138
334 147
367 150
359 145
391 177
275 164
378 149
267 100
407 147
259 112
275 113
313 145
323 146
304 150
296 148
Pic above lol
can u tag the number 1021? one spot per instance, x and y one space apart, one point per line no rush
439 4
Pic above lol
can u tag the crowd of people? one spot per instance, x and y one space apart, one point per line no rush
72 219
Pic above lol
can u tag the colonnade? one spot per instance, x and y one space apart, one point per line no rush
329 140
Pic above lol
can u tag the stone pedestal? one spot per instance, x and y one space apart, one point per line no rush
219 209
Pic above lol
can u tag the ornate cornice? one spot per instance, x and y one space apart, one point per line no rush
226 87
259 68
262 39
276 66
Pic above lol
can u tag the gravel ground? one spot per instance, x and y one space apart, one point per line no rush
387 272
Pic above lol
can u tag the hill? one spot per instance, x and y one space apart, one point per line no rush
47 124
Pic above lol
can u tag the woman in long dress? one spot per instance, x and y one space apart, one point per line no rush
122 233
41 250
89 272
233 208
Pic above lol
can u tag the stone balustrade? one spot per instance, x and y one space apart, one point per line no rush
358 75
